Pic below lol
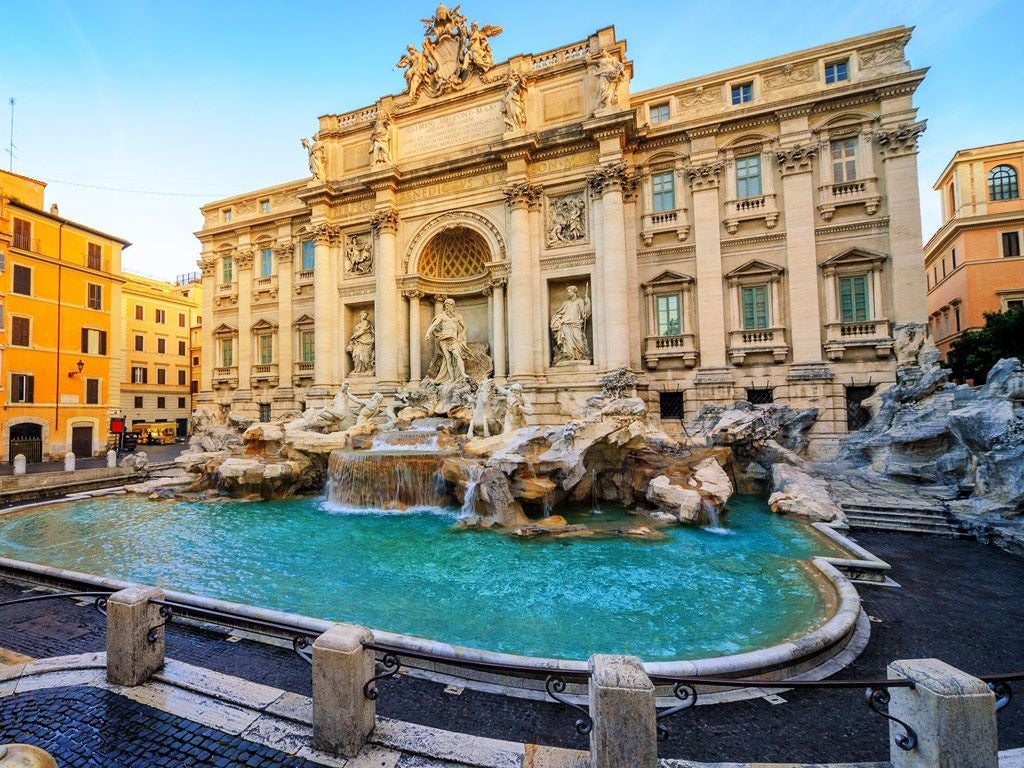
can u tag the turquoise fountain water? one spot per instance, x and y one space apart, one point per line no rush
695 594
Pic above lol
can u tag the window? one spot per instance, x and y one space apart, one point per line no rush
22 234
935 275
844 160
264 206
748 176
265 412
92 391
139 312
226 214
266 348
1 316
23 388
853 298
659 113
181 319
1015 305
94 257
1002 183
227 352
161 346
181 402
857 416
94 341
20 331
669 314
161 316
140 374
266 262
181 378
22 277
138 401
161 375
227 269
956 318
181 348
837 71
663 190
1011 244
760 396
755 307
95 300
307 346
943 266
954 258
195 387
945 321
140 343
670 405
161 402
308 257
742 93
195 360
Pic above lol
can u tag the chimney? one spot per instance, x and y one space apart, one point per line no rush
54 210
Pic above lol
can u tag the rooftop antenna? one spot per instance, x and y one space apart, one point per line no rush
10 147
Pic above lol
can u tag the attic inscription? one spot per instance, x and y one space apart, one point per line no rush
447 131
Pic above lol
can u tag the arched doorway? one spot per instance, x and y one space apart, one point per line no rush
26 439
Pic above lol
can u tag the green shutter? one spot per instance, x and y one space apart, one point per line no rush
755 307
853 298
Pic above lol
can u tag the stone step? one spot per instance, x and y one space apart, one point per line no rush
897 521
911 509
951 533
942 516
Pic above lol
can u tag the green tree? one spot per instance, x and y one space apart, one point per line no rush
975 352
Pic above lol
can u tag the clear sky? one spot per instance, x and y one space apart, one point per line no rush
119 100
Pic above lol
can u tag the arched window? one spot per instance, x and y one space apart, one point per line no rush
1002 183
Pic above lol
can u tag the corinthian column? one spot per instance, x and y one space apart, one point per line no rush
608 183
704 181
208 357
324 297
521 298
415 365
498 324
386 322
283 254
244 262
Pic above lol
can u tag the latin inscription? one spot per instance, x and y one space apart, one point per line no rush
449 131
452 186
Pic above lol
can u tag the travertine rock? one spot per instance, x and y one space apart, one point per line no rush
713 480
798 493
684 504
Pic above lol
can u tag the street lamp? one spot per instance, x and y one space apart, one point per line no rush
80 365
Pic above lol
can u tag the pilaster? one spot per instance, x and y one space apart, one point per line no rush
705 180
324 298
243 260
283 255
386 322
209 266
521 295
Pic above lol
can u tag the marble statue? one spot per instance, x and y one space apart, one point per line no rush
359 255
517 407
380 141
483 403
453 50
513 103
477 48
361 345
569 326
567 219
333 418
416 67
371 412
609 73
317 161
448 331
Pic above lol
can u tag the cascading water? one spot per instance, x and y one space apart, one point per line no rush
396 478
714 524
475 473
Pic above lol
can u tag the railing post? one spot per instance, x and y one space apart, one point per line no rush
343 716
952 713
625 730
135 635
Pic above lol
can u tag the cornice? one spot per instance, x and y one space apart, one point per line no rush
740 243
957 225
876 225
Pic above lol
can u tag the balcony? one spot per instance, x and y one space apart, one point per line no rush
861 192
841 336
225 377
751 208
758 341
665 221
303 371
681 347
265 373
264 287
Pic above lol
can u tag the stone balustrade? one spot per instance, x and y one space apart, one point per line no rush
764 207
859 192
264 372
681 347
840 336
676 220
756 341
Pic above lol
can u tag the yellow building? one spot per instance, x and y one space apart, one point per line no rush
158 318
61 317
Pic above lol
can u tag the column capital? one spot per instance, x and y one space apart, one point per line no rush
413 294
798 158
243 257
610 177
208 265
706 175
384 221
326 234
283 252
521 193
901 140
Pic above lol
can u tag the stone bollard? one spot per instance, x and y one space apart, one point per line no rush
342 716
131 656
952 713
625 732
111 459
69 462
20 464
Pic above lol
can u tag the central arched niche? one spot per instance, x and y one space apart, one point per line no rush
454 253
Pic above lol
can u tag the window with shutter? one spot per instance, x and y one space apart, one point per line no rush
92 391
161 346
95 296
181 378
139 312
22 388
853 298
19 331
755 307
95 259
22 277
22 234
161 376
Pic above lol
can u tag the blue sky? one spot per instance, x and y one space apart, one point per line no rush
122 99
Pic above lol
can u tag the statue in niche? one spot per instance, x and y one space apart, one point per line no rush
517 407
380 140
609 73
448 331
569 326
317 160
359 255
417 67
361 346
567 219
513 103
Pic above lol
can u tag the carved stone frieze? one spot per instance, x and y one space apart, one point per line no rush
359 254
701 96
706 175
901 140
567 219
521 193
884 54
796 159
384 221
791 75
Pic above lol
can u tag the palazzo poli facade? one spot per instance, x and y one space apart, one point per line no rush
753 233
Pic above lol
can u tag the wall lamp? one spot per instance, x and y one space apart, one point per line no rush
80 365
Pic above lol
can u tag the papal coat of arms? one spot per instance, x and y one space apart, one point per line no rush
452 51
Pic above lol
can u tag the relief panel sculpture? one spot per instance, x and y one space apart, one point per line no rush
359 254
567 219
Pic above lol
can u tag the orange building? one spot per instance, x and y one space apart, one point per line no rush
61 357
974 262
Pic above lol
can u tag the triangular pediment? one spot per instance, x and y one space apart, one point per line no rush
756 267
225 330
855 256
264 325
669 277
304 320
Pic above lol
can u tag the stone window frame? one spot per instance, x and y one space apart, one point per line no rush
683 344
861 190
764 206
656 109
260 329
1001 243
876 331
744 341
221 334
677 219
740 83
1008 295
834 62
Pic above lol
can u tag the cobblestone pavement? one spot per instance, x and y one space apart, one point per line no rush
155 453
960 602
91 728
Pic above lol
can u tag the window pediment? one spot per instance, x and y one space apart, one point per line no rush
224 330
855 257
264 325
755 268
304 322
668 279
